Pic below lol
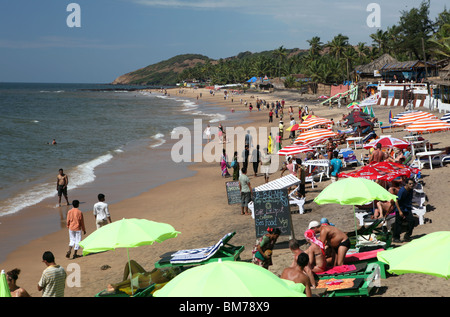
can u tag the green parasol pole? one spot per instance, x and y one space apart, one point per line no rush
356 229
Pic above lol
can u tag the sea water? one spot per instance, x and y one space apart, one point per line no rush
94 126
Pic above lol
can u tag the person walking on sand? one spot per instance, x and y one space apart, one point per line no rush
208 133
62 180
101 212
246 191
75 223
53 279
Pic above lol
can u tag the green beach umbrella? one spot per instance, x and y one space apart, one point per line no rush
353 191
427 255
127 233
229 279
4 288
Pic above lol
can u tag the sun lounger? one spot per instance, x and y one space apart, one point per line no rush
369 257
141 292
445 159
221 250
358 269
294 200
357 284
349 158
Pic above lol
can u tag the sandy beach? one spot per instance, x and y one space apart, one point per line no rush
197 207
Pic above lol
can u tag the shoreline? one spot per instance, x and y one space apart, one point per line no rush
203 221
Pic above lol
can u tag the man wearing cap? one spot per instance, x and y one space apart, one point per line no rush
333 237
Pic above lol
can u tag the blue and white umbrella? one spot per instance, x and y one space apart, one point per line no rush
446 117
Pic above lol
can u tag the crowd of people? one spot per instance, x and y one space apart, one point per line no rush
53 279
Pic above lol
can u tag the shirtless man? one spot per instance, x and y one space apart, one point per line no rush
62 180
297 274
294 246
377 155
333 237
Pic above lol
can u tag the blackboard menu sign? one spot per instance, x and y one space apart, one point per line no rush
272 210
233 192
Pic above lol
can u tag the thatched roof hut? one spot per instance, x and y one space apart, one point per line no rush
368 69
444 73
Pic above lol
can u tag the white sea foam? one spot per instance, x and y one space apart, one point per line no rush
80 175
159 138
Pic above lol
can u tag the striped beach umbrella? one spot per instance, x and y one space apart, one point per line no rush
354 105
294 127
428 125
397 116
412 117
314 142
388 142
294 150
314 134
313 122
446 118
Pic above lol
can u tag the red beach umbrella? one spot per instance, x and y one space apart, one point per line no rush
294 150
388 142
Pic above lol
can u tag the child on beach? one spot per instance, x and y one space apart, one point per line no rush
101 212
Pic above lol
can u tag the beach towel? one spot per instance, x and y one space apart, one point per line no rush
311 237
339 270
361 256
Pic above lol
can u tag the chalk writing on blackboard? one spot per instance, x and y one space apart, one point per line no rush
272 210
233 192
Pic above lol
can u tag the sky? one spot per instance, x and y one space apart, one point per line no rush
114 37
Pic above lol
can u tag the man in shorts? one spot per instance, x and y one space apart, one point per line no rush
62 180
246 191
333 237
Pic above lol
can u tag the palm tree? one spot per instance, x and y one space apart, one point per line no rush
337 45
349 53
315 45
380 38
441 40
280 53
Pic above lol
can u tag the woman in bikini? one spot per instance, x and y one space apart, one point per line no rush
316 252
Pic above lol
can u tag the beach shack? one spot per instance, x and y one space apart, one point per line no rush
416 71
370 73
440 90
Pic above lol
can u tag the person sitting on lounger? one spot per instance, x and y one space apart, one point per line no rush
384 208
333 237
294 246
141 278
297 273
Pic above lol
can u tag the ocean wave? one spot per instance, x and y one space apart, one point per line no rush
80 175
160 140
